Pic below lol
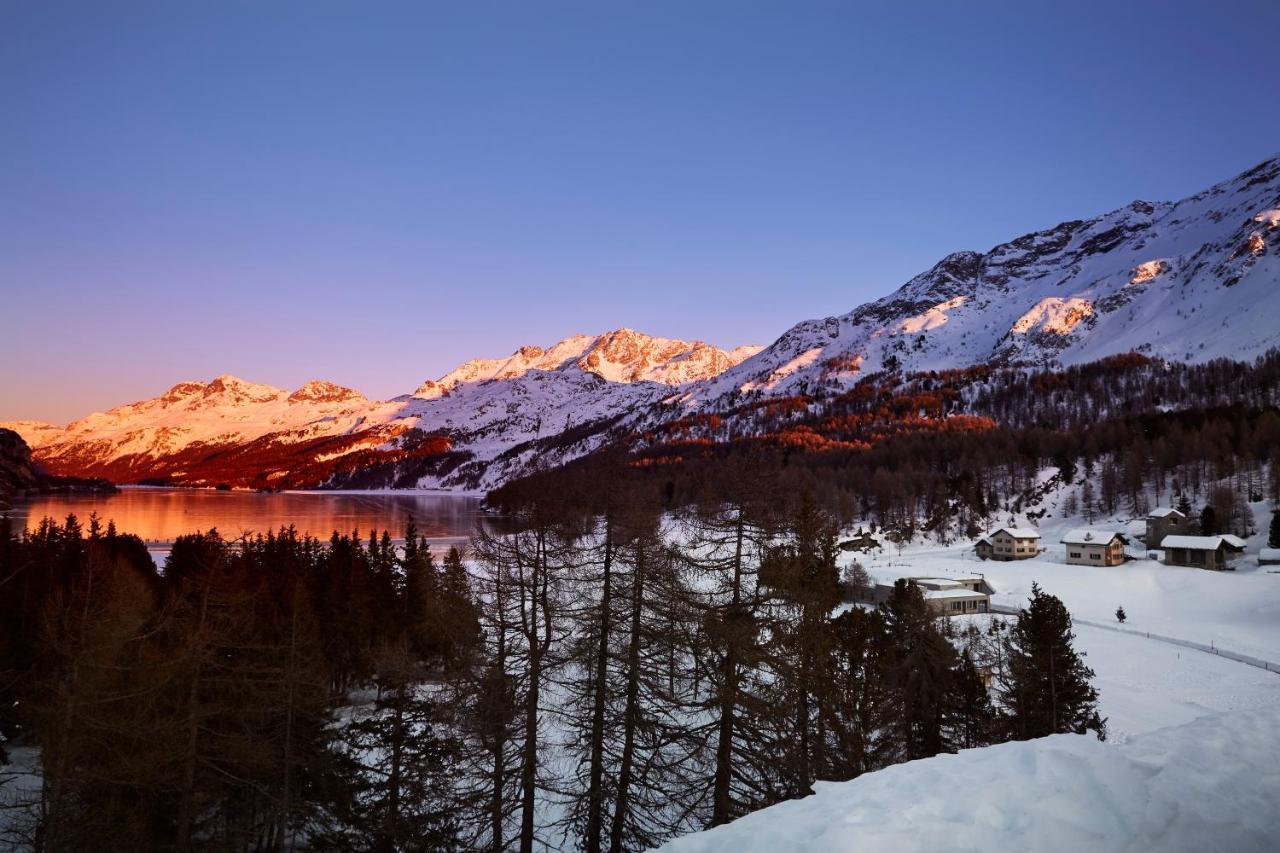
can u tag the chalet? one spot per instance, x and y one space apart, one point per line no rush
1164 521
958 596
1087 547
1269 557
1202 552
984 548
1014 543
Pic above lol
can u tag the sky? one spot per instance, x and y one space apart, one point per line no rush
372 193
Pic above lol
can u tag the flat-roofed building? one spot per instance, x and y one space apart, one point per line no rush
958 596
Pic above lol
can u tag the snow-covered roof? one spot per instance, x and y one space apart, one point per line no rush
937 583
983 540
1269 553
959 592
1201 543
1088 536
1018 532
1163 511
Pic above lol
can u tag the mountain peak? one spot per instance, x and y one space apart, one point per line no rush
323 391
622 355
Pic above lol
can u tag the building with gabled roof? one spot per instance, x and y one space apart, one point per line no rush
1014 543
1088 547
1202 552
1164 521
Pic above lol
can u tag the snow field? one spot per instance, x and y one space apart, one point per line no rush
1207 785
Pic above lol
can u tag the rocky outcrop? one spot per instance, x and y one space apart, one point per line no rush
21 475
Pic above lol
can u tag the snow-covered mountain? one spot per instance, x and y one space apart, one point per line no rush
624 355
242 433
1187 280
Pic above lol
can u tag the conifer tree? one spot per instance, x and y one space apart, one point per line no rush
1045 687
972 718
854 711
1208 520
919 675
804 583
398 766
723 552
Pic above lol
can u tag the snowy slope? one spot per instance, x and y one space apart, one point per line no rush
485 407
1207 785
1190 280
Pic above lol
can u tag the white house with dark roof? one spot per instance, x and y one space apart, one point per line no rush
1202 552
1088 547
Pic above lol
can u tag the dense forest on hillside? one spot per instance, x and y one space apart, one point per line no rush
946 452
592 684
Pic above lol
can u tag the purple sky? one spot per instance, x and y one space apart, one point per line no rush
373 193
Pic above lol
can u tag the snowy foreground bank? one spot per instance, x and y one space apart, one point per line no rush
1209 785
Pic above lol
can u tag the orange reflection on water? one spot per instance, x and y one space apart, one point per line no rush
160 515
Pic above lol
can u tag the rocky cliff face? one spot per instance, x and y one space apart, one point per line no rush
16 471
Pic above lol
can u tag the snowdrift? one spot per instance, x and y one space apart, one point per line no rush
1212 784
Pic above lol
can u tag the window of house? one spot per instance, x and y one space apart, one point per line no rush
1075 554
1095 556
956 605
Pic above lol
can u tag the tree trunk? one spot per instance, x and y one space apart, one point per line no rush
595 791
631 713
722 806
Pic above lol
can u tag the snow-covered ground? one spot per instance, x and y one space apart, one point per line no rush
1144 684
1192 761
1236 610
1208 785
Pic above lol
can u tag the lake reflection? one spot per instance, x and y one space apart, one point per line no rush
160 515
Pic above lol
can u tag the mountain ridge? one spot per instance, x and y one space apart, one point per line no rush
1186 280
1068 284
188 434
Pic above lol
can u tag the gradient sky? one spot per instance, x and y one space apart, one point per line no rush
374 192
